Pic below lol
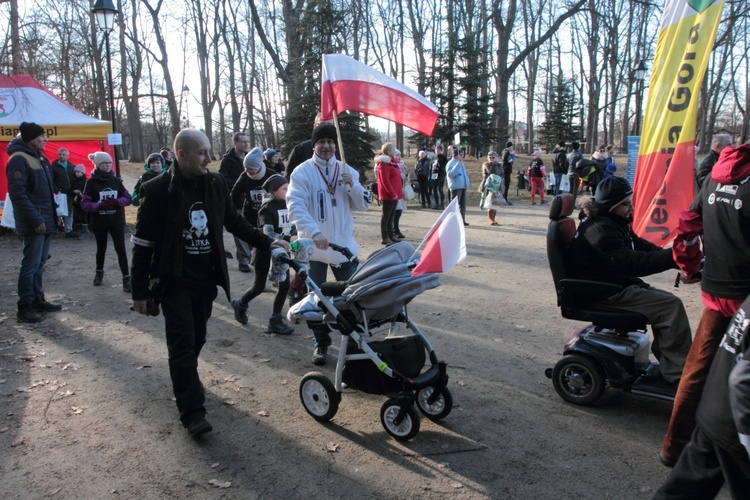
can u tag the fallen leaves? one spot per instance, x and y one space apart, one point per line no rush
78 410
220 484
332 447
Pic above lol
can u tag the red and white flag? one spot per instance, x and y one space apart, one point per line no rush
445 243
350 85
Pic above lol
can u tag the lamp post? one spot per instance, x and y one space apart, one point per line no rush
640 76
105 13
186 93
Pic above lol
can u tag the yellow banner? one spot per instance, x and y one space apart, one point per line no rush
666 160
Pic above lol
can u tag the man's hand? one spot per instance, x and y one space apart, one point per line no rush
321 242
347 178
689 280
40 229
140 306
282 244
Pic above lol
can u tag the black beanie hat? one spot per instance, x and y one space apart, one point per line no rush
611 192
508 144
324 131
274 182
30 131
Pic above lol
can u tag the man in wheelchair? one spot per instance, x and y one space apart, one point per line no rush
605 248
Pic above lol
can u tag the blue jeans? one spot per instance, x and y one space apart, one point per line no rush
558 182
35 252
318 271
437 191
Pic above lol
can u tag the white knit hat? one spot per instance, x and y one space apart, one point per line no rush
100 157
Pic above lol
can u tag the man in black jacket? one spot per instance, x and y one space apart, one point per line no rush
179 246
718 450
231 168
605 248
506 159
32 195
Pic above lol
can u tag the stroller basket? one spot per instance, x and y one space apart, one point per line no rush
403 354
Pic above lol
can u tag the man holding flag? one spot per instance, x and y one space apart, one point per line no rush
322 194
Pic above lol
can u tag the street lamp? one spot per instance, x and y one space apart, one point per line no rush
186 93
105 13
639 73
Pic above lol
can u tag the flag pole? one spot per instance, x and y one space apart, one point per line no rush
338 136
341 144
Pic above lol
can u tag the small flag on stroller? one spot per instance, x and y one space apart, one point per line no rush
445 243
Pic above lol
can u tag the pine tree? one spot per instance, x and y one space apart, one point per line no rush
558 124
325 27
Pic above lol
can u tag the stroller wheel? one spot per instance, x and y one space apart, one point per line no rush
404 428
439 408
578 379
319 396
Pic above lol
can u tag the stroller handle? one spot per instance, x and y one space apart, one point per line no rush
346 253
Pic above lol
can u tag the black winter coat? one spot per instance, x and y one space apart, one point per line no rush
30 188
605 248
157 249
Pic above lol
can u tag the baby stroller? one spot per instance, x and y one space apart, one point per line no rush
373 303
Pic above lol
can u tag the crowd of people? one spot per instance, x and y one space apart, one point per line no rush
179 260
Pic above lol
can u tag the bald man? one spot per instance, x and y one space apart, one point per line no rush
178 261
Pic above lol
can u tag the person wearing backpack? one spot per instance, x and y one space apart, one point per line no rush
559 165
537 173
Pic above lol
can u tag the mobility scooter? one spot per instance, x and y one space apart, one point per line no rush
614 348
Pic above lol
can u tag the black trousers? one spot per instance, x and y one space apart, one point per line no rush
262 268
702 469
187 309
424 190
118 241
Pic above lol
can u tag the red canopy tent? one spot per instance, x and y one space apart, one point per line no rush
23 99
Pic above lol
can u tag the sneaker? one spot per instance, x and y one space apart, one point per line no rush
400 236
26 313
98 277
466 224
544 202
41 305
533 203
240 311
70 234
126 284
276 325
320 356
508 203
198 426
245 268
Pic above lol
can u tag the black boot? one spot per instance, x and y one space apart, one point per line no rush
126 284
276 325
26 313
41 305
98 277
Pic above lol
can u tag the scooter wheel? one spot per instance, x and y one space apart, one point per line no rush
440 408
578 380
402 430
319 396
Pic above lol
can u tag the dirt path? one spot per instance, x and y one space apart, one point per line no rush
87 408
